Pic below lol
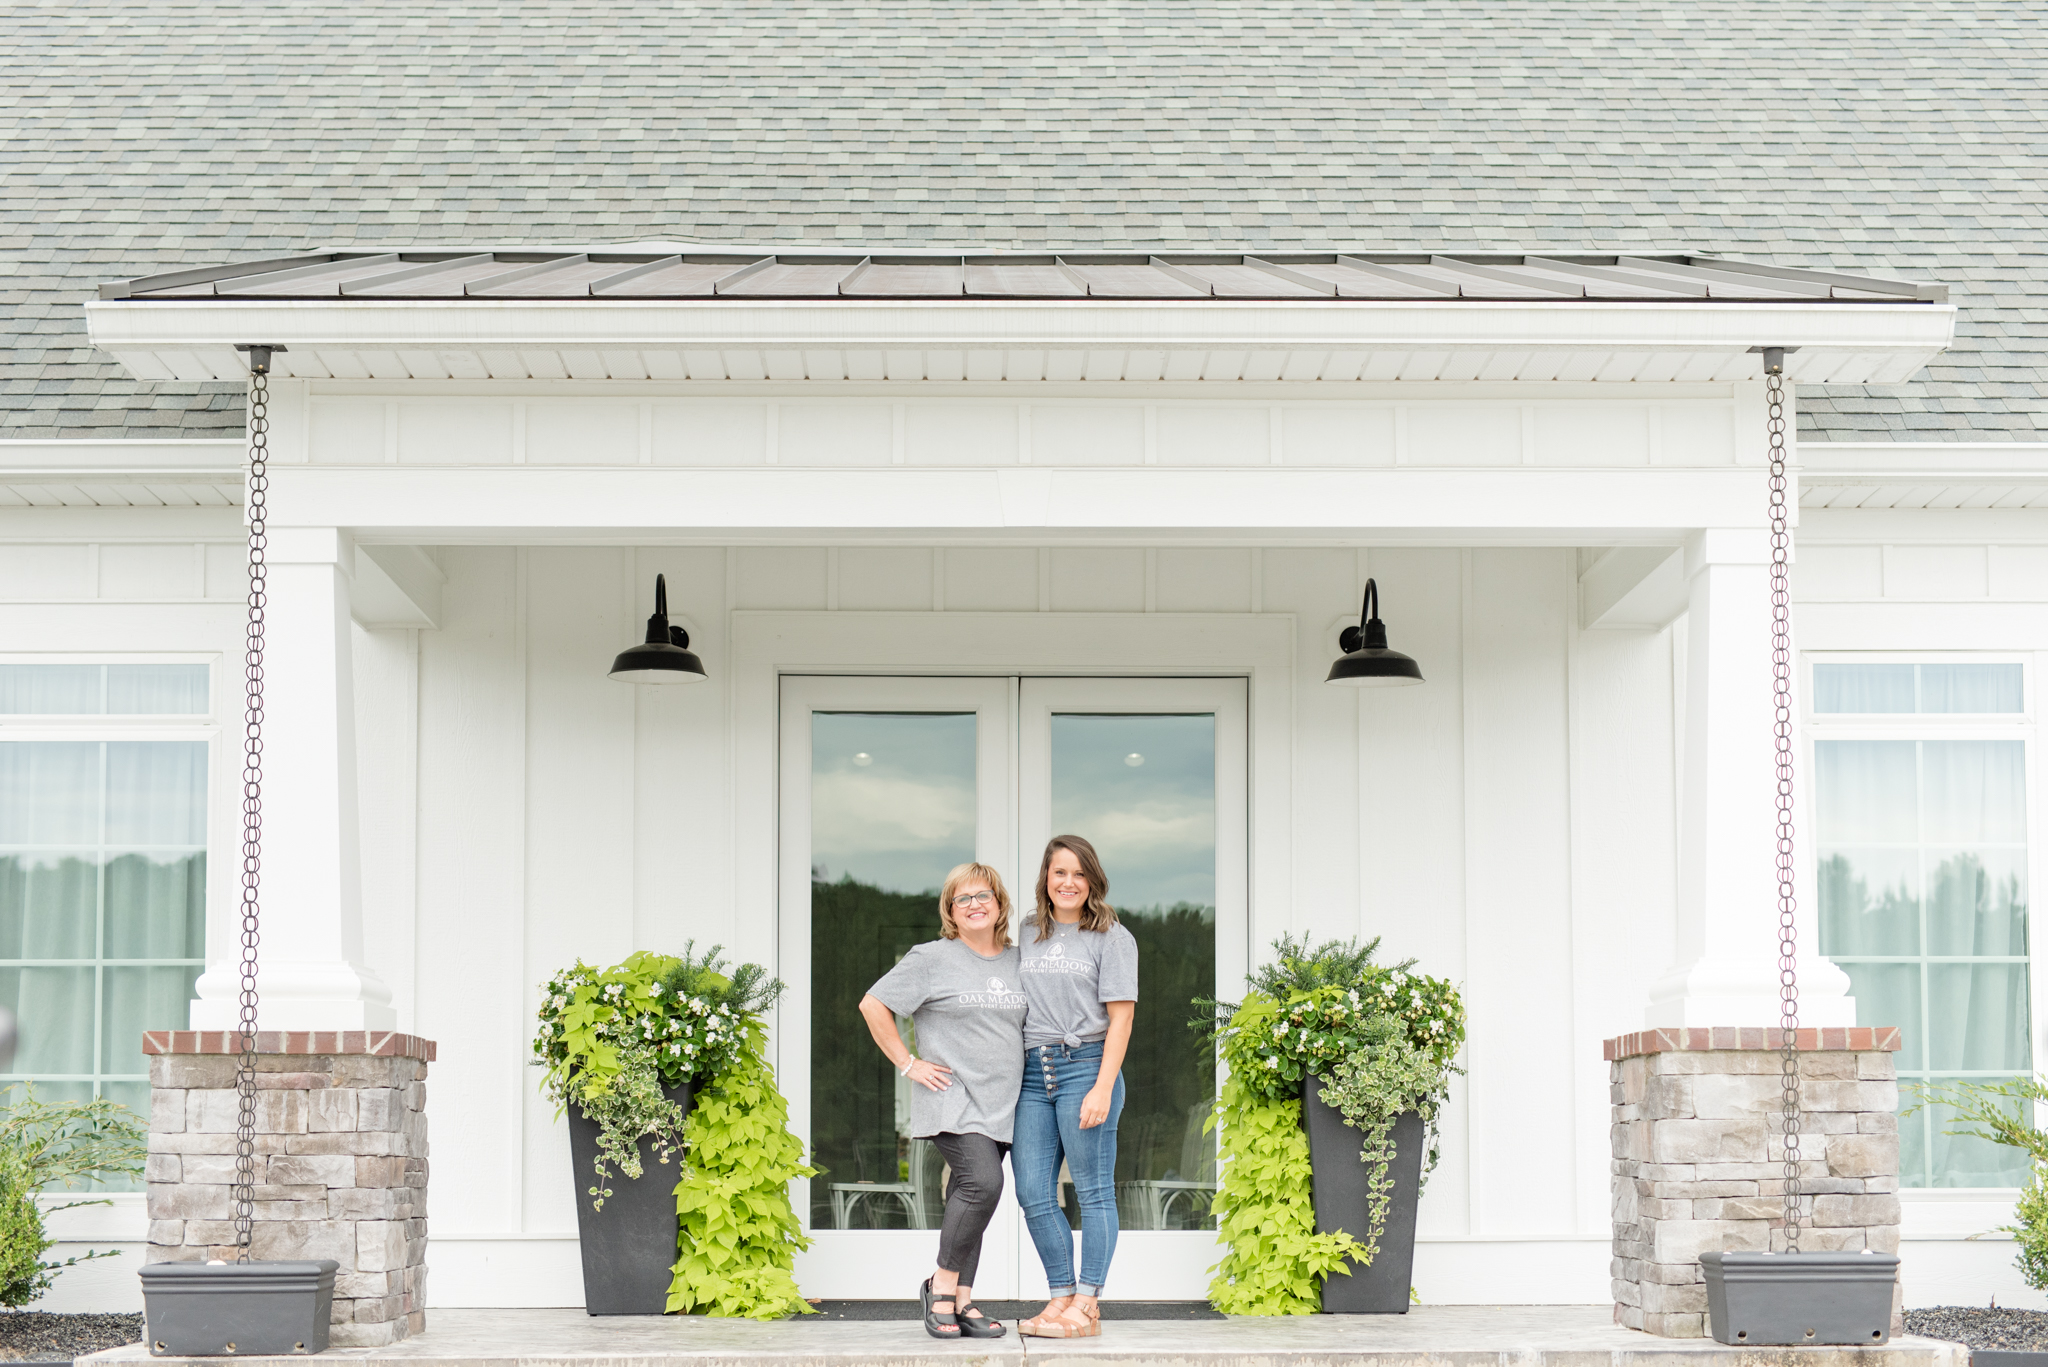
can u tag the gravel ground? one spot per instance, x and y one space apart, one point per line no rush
2019 1330
38 1335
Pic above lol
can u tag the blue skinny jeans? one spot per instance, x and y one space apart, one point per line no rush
1056 1078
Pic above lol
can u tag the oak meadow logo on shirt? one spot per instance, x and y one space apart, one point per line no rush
999 997
1055 960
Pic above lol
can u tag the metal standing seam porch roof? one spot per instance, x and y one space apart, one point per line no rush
1292 276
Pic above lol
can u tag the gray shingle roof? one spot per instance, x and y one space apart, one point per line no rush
1908 140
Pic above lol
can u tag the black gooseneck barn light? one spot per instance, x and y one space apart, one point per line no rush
1366 661
665 657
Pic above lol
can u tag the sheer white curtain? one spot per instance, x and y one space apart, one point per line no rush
1923 900
102 881
98 690
1966 687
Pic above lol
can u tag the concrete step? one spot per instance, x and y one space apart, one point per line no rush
1428 1336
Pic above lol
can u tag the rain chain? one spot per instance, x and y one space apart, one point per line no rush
252 799
1781 681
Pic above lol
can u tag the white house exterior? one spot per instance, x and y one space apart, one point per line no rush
1072 479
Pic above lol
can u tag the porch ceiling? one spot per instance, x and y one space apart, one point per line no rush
946 317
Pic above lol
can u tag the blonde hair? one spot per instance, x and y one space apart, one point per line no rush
974 873
1096 913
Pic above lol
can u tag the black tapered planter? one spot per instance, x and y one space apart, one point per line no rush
629 1247
1813 1299
1342 1195
266 1309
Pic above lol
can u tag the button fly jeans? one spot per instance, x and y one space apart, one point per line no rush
1056 1078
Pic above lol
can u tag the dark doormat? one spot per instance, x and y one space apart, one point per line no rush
1009 1312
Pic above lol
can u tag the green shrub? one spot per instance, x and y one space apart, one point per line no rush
2031 1231
55 1144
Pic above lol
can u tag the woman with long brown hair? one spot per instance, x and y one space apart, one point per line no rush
1080 973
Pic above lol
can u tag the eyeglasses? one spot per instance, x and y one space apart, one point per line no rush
974 899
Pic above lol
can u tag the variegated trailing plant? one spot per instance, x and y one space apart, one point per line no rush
612 1038
1384 1040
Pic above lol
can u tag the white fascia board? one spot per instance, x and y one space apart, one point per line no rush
208 461
1900 337
1500 506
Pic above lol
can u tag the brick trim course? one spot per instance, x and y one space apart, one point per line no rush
1855 1039
369 1043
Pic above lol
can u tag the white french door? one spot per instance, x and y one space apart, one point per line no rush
886 783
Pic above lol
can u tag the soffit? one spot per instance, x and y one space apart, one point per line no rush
1923 475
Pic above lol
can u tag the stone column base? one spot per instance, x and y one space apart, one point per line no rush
341 1162
1699 1157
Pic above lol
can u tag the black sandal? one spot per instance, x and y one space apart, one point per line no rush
976 1325
937 1325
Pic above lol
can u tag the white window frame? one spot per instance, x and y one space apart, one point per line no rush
223 828
2022 726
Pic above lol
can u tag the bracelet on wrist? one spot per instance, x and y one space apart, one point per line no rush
904 1071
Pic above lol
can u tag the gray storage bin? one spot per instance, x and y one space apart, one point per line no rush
267 1309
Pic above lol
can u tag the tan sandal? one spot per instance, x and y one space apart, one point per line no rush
1071 1323
1045 1324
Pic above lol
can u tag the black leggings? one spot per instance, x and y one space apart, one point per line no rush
971 1196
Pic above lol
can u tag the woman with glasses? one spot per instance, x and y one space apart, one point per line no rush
1080 971
962 992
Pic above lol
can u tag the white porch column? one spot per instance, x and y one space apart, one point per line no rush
311 974
1726 970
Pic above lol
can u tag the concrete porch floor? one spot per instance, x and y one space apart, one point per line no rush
1428 1336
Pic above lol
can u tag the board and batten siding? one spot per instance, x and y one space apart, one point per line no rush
563 815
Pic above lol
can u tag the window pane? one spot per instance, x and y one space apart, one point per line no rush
49 904
1869 901
1967 1161
1974 791
1970 688
1917 688
1977 902
1866 792
1889 994
139 999
156 792
54 1009
1142 790
156 907
50 792
44 689
157 690
1977 1016
892 811
1863 688
1912 1142
135 1096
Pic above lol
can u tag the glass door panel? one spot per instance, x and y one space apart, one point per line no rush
1152 772
892 810
886 785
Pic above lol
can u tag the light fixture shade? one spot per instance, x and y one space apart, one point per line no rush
1366 661
665 656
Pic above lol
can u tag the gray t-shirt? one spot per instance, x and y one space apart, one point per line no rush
1070 976
970 1017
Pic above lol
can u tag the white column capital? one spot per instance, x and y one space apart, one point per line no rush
1726 546
312 546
